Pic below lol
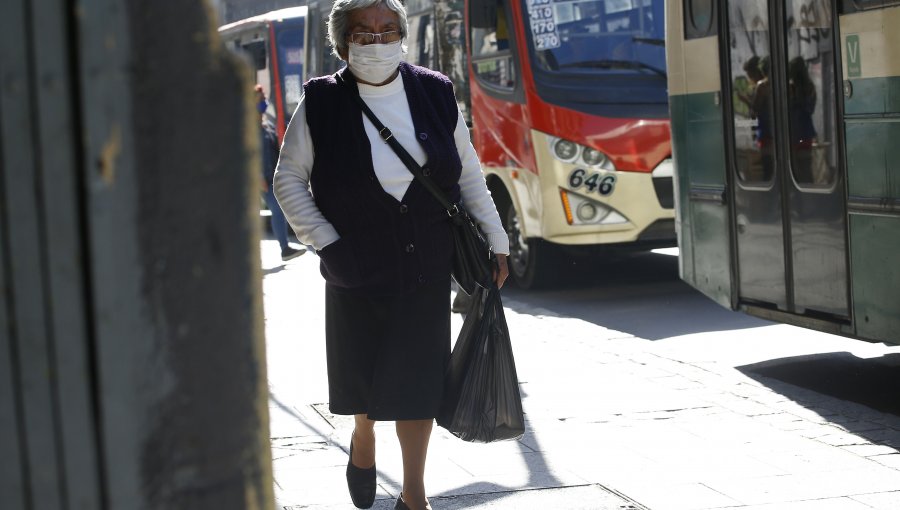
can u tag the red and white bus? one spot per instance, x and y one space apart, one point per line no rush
570 119
568 106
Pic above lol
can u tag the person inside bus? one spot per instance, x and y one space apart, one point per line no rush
383 239
801 105
754 75
765 113
269 148
761 109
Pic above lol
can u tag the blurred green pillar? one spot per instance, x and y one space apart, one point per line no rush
132 363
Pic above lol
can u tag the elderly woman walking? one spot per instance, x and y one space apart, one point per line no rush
384 241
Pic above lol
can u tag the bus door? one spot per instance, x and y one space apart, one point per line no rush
788 192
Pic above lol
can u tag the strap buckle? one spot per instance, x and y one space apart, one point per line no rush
385 137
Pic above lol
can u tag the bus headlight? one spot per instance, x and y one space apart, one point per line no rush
580 210
587 212
565 150
570 152
592 157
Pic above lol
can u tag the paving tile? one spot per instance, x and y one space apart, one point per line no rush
486 466
821 410
808 457
880 500
891 461
727 429
860 427
817 431
885 436
805 413
287 420
314 486
782 421
675 496
815 504
868 450
507 482
586 497
617 462
442 477
312 458
809 486
748 407
842 439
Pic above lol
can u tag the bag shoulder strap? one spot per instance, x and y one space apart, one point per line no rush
404 156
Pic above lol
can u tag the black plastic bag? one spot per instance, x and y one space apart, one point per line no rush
481 402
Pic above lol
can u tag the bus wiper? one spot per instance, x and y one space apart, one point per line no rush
648 40
614 64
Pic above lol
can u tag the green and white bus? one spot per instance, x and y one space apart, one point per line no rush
785 120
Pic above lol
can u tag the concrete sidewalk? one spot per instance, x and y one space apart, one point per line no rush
614 421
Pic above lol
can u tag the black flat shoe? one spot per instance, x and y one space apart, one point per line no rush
361 483
400 505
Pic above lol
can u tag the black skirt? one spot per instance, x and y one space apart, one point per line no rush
387 354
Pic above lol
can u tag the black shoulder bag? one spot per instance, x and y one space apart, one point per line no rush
473 257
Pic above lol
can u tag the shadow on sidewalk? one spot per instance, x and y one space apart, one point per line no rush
640 295
274 270
873 383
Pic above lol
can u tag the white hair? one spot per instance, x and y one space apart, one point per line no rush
340 15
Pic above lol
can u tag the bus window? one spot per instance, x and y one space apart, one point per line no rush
491 57
754 143
698 18
811 95
257 52
599 36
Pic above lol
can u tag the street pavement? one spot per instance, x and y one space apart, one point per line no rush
615 421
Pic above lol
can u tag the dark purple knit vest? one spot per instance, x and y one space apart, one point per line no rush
386 247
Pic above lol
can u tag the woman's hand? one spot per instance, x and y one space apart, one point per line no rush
501 272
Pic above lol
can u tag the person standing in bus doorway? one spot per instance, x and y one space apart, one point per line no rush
384 241
269 148
801 106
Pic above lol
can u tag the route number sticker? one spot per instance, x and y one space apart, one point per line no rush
603 184
543 24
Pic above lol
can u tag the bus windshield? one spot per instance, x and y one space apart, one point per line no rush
598 36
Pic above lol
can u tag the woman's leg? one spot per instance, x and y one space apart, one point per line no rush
414 436
363 442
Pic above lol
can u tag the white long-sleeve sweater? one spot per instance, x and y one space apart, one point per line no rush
389 104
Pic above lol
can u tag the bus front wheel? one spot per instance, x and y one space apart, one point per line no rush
530 260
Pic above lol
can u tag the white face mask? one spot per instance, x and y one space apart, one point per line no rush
374 63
